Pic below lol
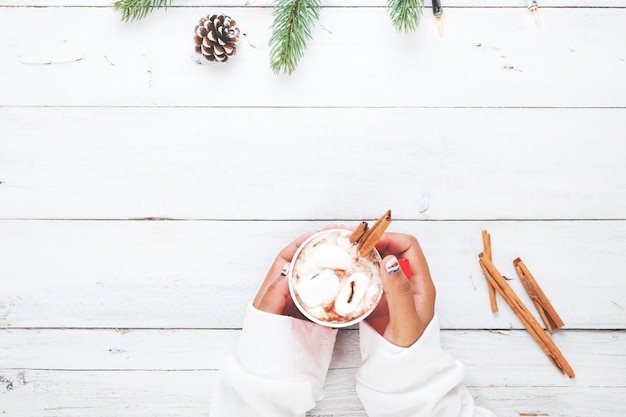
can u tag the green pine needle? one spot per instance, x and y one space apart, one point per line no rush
405 14
293 22
138 9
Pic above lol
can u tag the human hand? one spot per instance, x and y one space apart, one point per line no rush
408 304
273 296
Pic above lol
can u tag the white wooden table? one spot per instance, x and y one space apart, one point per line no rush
144 194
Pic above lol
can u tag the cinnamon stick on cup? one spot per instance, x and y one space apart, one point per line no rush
368 240
358 232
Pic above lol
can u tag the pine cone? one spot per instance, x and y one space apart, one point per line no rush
216 37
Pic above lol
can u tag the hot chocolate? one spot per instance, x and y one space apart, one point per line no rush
331 283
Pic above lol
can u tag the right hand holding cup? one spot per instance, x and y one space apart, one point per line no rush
408 303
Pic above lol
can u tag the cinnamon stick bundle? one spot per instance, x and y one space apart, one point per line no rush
528 320
372 235
492 289
548 314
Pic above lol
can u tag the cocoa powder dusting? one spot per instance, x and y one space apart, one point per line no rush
340 273
331 314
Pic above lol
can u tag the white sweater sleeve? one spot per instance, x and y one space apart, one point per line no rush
278 370
421 380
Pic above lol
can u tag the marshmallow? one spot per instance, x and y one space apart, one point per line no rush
331 257
350 298
318 289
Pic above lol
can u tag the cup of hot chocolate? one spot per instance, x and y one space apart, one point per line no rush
331 282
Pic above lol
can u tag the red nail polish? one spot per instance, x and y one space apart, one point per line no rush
405 266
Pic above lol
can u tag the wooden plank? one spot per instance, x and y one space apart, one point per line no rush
500 358
119 393
202 274
124 163
487 57
41 393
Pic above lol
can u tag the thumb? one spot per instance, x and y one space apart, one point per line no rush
404 322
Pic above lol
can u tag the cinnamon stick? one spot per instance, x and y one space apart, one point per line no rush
491 288
358 233
547 312
373 234
535 299
528 320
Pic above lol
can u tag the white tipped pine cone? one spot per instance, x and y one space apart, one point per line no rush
216 37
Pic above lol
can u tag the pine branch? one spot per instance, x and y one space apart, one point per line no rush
138 9
405 14
293 22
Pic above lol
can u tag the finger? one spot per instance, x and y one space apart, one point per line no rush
379 319
287 253
275 298
406 246
405 325
401 245
284 257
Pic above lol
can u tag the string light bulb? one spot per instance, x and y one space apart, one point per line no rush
533 8
438 12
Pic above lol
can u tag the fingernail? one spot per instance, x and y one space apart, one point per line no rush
392 266
285 270
405 266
